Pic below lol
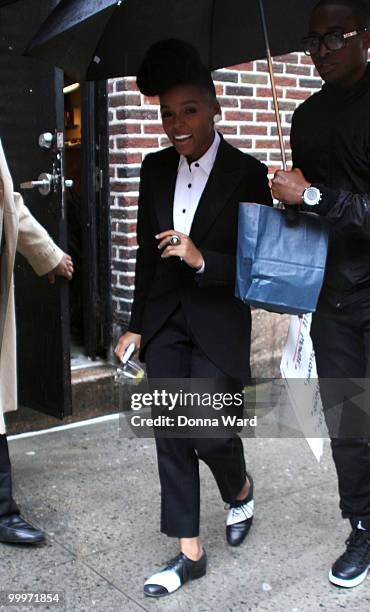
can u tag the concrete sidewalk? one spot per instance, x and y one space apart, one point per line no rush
97 496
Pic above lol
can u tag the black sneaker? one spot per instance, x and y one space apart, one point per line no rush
351 568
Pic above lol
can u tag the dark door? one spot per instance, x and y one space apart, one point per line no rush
96 219
31 103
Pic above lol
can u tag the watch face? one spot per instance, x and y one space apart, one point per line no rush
312 196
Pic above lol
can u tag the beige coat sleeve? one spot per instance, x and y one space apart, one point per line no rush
34 242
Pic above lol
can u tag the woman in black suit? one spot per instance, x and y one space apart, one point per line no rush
185 319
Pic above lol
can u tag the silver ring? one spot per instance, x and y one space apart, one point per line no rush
175 240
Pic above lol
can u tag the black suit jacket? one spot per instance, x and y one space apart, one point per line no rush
219 322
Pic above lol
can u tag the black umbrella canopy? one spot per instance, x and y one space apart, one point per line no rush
94 39
6 2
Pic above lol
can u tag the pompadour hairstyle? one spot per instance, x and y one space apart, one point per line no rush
170 63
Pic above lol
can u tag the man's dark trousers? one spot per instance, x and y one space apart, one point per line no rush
341 339
7 504
173 354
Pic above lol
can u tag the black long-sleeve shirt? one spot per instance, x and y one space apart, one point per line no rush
330 141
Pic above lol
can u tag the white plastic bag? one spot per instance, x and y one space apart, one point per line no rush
298 368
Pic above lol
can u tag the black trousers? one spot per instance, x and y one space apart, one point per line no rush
7 503
173 353
341 339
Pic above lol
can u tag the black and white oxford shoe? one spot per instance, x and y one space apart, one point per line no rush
240 517
177 571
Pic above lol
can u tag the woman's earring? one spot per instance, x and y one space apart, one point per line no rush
217 118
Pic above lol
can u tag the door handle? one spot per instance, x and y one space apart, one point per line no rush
44 184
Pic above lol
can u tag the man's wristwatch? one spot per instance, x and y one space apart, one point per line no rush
311 196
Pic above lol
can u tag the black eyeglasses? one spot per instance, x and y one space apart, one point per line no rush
332 41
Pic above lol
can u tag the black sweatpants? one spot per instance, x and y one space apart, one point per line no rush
341 339
173 353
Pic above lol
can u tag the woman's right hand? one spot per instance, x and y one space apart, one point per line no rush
125 341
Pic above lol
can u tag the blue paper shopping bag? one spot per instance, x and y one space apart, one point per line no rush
280 261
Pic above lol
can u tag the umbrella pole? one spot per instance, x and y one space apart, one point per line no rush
273 86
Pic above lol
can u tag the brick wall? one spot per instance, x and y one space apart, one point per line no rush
248 123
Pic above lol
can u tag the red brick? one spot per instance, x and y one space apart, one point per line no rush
254 79
268 117
228 101
253 130
284 81
239 115
249 103
261 66
230 77
296 94
228 129
125 240
310 83
138 114
286 105
153 128
261 155
126 227
115 129
122 187
125 212
285 130
243 143
292 58
265 92
124 100
123 293
268 144
129 128
239 90
136 143
132 100
124 158
297 69
126 201
126 84
248 67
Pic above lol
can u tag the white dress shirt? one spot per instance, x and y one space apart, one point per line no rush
190 183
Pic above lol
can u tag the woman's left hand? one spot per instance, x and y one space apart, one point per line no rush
186 248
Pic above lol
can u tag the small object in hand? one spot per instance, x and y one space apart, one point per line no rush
129 368
128 352
175 240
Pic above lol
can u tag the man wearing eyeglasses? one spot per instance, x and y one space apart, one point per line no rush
330 142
